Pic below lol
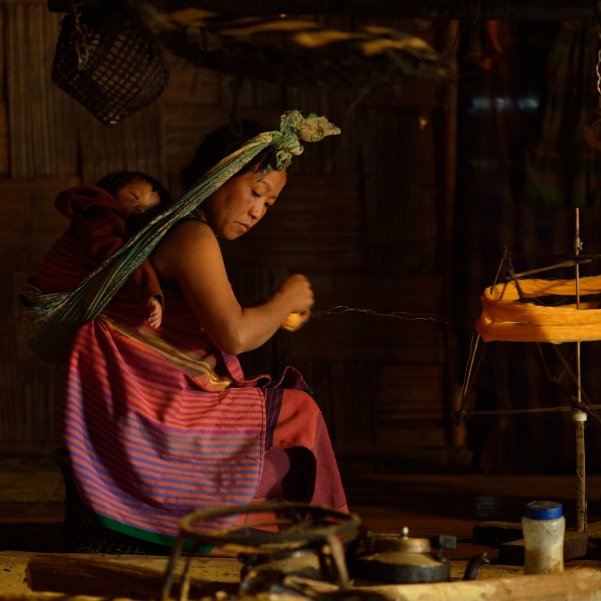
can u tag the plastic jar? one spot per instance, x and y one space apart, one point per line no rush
543 529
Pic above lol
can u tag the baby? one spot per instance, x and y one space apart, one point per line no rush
105 215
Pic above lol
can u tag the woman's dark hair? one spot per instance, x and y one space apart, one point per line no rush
114 181
222 142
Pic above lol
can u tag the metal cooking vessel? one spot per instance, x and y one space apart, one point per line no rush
398 558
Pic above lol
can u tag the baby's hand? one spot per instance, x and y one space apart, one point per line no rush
154 315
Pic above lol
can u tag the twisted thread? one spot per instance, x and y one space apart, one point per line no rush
405 315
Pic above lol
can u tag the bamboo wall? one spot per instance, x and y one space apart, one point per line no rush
363 216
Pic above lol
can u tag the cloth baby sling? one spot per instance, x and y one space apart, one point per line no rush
49 321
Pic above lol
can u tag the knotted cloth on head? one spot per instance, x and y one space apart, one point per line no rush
50 321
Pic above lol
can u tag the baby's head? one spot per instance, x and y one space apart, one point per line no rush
136 193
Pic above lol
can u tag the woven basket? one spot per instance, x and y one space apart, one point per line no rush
109 61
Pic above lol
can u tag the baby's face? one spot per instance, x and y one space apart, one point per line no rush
136 197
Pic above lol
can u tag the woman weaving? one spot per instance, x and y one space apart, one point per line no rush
159 423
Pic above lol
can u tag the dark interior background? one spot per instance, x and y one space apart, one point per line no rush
404 217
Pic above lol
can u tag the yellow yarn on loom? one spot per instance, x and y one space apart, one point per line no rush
506 317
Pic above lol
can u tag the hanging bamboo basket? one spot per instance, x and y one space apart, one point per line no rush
109 61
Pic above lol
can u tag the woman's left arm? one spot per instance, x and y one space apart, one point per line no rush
190 255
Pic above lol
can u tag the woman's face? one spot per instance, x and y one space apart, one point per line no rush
242 202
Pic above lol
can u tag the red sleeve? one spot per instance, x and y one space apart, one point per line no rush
95 218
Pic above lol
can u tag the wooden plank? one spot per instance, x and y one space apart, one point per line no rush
100 576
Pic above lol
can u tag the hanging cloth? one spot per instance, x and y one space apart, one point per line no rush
50 321
562 169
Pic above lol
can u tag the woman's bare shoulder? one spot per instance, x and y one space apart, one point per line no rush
187 240
188 231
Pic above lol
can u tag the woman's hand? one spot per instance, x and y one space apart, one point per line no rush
190 255
297 290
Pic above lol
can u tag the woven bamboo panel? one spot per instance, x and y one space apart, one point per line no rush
400 400
411 93
347 390
190 85
252 94
326 156
29 220
422 294
344 337
397 440
4 140
134 143
29 409
40 125
349 393
183 127
390 319
401 204
303 230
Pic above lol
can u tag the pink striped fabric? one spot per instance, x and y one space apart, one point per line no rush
160 423
147 443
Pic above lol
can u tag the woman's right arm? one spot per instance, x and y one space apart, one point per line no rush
190 255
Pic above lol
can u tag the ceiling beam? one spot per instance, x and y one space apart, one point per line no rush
533 10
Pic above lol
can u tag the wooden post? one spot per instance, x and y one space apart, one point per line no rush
579 416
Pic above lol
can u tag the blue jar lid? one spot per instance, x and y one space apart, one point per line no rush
543 510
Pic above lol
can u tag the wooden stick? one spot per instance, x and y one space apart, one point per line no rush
572 585
579 417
